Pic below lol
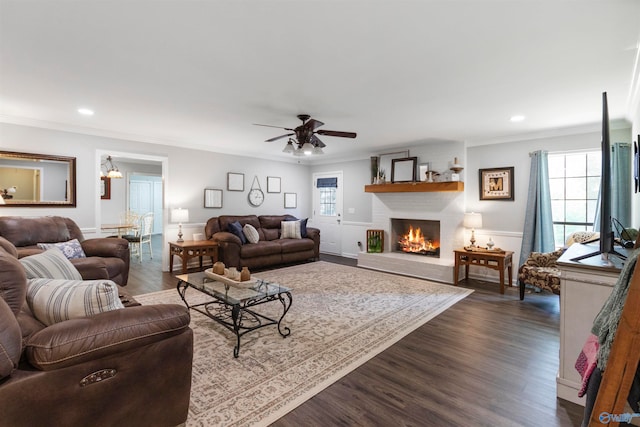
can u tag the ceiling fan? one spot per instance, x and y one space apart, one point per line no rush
305 136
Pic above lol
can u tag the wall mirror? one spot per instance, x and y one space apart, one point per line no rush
28 179
404 170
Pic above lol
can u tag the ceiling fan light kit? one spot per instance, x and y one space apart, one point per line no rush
305 137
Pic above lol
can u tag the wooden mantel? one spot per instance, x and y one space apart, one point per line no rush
414 187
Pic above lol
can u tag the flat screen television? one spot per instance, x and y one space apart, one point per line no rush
606 229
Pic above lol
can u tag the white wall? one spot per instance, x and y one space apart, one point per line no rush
188 173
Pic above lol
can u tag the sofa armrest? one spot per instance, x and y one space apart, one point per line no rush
106 247
226 237
314 234
75 341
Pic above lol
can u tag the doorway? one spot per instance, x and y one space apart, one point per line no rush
327 210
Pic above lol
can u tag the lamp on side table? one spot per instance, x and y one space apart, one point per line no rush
180 215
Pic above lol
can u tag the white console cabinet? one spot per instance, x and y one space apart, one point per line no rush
584 288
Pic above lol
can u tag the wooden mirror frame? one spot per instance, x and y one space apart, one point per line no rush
30 159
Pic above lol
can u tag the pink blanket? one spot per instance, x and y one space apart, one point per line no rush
586 362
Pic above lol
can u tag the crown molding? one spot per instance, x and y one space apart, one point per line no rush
551 133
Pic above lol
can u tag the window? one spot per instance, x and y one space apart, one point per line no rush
574 181
327 188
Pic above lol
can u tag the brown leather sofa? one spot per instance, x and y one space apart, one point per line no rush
107 258
126 367
270 250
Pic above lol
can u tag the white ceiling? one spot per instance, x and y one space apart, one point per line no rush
200 73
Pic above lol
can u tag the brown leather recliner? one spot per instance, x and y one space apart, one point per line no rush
126 367
107 258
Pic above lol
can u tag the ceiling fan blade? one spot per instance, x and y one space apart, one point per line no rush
313 124
336 133
271 126
316 142
278 137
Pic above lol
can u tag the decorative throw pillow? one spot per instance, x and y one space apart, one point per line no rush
71 249
50 264
303 227
290 230
251 233
53 300
236 228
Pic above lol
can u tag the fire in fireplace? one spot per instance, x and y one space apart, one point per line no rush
421 237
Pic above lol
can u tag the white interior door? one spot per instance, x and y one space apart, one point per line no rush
327 210
145 195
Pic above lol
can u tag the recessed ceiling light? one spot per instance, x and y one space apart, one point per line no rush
518 118
85 111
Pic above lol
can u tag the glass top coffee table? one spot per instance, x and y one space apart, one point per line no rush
233 307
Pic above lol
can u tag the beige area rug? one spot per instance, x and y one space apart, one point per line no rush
340 317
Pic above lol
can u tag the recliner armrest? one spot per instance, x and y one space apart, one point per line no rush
106 247
75 341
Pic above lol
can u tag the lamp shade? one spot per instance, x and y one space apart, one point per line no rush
472 220
2 202
180 215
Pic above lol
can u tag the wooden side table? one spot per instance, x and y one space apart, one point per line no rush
191 249
493 260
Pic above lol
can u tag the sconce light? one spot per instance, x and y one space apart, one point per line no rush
180 215
112 170
472 220
6 191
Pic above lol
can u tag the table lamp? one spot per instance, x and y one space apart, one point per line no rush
473 220
180 215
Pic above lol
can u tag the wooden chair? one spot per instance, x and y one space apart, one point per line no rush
142 236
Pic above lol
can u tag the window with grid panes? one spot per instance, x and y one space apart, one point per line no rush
574 182
327 201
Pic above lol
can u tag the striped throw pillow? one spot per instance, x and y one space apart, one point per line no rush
54 300
290 230
251 233
50 264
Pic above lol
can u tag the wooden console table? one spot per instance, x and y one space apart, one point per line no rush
493 260
191 249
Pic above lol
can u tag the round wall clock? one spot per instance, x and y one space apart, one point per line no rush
256 196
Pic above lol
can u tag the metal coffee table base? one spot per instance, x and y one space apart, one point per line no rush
240 318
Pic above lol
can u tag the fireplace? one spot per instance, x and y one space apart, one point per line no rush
415 236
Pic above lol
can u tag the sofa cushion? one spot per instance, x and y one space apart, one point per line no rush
271 233
260 249
10 340
71 249
303 225
50 264
290 230
251 233
23 231
13 281
54 300
296 245
236 229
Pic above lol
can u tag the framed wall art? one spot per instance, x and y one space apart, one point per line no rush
212 198
105 188
273 184
496 184
235 181
404 169
290 200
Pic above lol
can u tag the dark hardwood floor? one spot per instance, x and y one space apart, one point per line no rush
490 360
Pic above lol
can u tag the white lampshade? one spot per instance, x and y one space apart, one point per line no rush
180 215
288 148
472 220
2 202
307 148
